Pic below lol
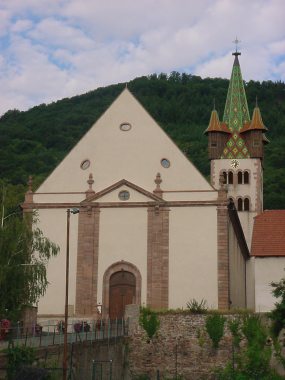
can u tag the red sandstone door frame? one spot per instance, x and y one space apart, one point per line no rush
117 267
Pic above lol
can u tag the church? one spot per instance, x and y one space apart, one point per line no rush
146 227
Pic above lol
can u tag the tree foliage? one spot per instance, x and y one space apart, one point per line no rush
35 141
277 315
24 253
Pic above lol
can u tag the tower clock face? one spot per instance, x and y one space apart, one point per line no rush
235 163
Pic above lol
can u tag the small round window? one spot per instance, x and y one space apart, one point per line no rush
125 127
124 195
165 163
85 164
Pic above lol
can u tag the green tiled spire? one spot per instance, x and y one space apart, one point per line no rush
236 114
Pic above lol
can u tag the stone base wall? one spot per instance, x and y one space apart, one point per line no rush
181 347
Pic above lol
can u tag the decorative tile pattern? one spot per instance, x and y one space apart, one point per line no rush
236 114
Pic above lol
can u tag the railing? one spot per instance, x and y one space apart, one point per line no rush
52 333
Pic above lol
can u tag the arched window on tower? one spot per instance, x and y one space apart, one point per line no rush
246 204
239 178
246 177
230 177
225 177
240 204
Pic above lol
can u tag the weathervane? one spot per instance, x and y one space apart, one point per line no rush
236 42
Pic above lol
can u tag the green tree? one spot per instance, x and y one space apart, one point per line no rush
277 315
24 253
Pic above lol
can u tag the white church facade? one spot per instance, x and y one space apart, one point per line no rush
150 229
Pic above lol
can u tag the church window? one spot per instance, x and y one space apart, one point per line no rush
240 178
230 178
165 163
246 177
125 127
85 164
240 204
246 204
225 177
124 195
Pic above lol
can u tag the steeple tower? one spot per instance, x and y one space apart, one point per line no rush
236 114
235 148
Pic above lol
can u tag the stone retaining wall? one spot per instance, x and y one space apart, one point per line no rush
181 347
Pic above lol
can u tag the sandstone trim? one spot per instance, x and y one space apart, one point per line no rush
87 262
223 257
117 267
158 257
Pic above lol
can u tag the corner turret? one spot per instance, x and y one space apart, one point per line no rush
253 134
218 134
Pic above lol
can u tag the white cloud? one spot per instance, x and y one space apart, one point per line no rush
57 48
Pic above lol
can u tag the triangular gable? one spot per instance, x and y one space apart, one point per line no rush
112 152
123 184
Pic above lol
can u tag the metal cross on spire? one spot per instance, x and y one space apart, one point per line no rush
236 42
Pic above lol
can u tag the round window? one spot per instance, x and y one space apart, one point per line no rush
125 127
165 163
124 195
85 164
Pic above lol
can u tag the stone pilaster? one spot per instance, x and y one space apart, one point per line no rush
223 257
87 261
158 257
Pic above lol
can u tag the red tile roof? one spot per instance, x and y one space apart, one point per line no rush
268 237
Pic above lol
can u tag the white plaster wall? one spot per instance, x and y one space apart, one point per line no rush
267 269
210 195
134 155
59 198
250 283
193 256
53 224
123 236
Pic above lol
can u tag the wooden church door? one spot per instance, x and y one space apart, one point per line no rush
122 293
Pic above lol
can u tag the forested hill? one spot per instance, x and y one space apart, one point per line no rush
35 141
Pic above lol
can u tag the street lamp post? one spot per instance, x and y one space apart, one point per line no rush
72 211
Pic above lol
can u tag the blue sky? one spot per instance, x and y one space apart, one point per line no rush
51 49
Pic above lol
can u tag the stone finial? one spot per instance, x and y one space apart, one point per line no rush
30 184
157 191
90 192
29 192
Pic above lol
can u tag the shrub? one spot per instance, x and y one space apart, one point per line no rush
197 307
149 321
277 315
215 328
235 329
253 330
17 357
252 362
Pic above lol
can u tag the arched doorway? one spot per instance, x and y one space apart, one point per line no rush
122 293
122 284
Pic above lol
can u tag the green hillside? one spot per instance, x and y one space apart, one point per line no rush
34 142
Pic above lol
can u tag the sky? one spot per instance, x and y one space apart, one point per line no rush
52 49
